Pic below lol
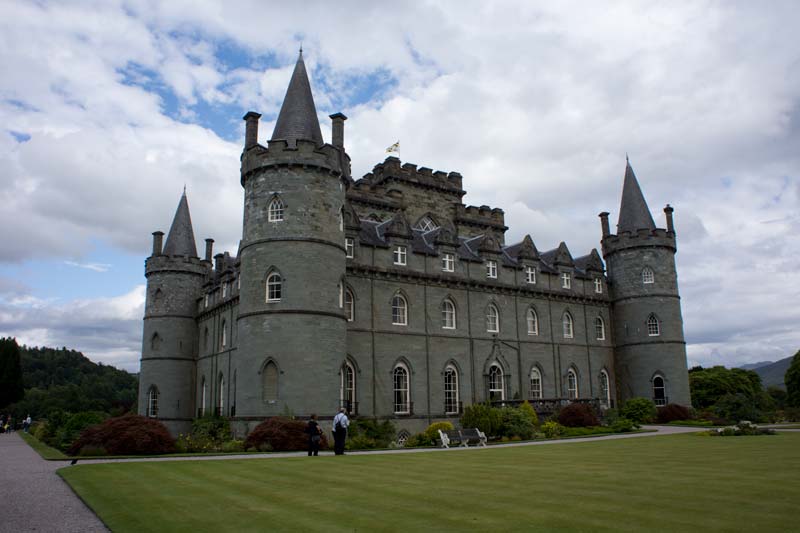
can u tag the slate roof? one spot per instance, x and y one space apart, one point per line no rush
633 211
298 116
180 240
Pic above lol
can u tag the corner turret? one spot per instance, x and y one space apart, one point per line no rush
643 284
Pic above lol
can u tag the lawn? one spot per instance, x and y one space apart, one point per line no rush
673 483
48 453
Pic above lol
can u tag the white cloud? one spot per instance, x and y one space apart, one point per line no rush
535 104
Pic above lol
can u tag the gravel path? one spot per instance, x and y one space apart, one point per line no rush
34 498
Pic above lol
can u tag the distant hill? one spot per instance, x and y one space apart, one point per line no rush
753 366
58 379
772 373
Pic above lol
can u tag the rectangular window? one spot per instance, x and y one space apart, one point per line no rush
448 263
225 290
491 269
400 255
598 285
205 300
530 275
349 247
566 280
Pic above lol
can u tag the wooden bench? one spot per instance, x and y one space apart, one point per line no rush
462 437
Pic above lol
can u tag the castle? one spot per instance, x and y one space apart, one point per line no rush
388 296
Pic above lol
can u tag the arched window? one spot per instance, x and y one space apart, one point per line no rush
155 342
533 322
347 391
653 326
203 396
572 384
492 319
536 384
275 210
599 329
648 276
659 391
426 224
497 390
221 398
402 405
341 219
448 315
274 287
567 326
269 382
605 390
399 310
349 305
152 402
223 339
451 406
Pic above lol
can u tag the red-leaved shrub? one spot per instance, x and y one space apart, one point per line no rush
126 435
282 435
673 411
577 415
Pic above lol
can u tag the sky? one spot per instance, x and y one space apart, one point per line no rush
109 108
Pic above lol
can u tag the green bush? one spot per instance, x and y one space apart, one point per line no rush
484 417
369 433
516 423
639 410
432 433
214 428
232 446
552 429
623 425
736 407
418 440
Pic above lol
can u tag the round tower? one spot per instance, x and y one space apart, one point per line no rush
174 279
650 350
291 323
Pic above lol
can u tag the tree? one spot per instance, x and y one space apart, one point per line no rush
792 380
11 389
709 385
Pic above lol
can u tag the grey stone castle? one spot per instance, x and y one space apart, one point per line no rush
390 297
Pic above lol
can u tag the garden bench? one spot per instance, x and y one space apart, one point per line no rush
463 437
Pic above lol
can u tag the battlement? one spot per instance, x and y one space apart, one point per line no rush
640 238
392 169
483 216
301 153
167 263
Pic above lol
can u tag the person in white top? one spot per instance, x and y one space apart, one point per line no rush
340 424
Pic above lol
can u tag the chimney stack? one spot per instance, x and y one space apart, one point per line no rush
218 262
604 223
251 129
337 129
158 237
668 211
209 248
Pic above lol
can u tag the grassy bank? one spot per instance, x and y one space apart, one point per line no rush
674 483
41 448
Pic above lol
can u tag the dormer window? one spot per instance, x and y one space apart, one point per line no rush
491 269
426 224
566 280
530 275
448 263
349 247
275 210
399 255
598 285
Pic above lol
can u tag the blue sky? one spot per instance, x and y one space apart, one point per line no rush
108 108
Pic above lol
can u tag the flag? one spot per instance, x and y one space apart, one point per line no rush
393 148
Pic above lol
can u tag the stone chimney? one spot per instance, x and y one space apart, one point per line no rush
251 129
158 238
668 212
604 223
218 262
337 129
209 249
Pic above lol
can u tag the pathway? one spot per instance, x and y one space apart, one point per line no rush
34 498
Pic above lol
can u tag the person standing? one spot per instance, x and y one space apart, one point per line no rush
340 424
28 423
314 436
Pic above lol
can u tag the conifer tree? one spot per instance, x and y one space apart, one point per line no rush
10 372
792 380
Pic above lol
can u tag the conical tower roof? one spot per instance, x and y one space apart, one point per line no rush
180 240
298 116
633 211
